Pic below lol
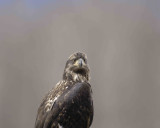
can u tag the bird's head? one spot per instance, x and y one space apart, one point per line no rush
76 68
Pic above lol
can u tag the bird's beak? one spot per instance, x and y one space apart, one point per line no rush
79 63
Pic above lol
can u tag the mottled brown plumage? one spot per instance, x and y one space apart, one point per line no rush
69 104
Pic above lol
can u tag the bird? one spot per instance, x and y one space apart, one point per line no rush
69 104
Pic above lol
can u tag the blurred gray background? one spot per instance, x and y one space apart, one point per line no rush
122 42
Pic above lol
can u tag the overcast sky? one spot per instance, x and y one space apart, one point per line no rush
37 5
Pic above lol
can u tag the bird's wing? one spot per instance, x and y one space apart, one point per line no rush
44 113
91 113
62 96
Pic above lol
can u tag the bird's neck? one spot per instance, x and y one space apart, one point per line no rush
75 77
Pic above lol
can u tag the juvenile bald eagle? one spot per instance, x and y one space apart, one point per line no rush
69 104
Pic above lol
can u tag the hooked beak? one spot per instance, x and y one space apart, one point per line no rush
79 63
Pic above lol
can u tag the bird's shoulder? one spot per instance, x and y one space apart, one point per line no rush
48 101
62 87
54 94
